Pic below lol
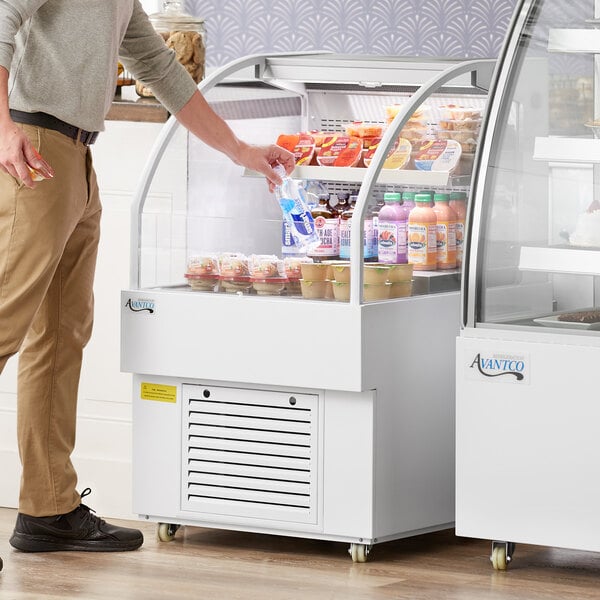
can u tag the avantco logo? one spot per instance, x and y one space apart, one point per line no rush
499 367
141 305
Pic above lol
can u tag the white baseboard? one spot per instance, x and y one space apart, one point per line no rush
102 459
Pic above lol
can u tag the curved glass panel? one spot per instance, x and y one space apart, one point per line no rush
539 243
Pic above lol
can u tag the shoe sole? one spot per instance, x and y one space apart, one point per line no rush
34 543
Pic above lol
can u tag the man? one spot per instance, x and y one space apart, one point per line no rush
58 67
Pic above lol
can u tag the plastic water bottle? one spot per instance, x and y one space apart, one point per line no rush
295 212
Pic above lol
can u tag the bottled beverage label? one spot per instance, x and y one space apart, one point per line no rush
295 212
446 241
288 244
302 221
345 238
391 246
422 243
328 231
369 239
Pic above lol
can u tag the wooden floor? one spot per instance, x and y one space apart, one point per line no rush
215 564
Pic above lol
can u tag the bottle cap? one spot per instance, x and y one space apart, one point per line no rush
410 196
422 198
441 197
458 196
392 197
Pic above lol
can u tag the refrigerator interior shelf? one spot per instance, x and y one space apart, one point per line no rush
574 40
578 261
389 176
564 149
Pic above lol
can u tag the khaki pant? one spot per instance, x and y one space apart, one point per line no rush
48 246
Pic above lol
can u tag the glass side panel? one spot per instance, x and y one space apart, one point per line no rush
540 224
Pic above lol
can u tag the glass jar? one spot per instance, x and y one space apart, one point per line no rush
185 35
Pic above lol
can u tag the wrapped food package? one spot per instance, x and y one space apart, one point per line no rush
340 151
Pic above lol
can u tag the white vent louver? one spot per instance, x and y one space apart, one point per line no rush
250 453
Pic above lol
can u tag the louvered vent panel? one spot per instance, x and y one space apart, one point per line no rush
250 453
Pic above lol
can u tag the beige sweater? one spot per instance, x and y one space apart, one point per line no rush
62 57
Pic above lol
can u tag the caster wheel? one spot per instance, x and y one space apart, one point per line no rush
166 531
501 555
498 558
359 552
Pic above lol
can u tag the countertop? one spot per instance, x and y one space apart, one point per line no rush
128 106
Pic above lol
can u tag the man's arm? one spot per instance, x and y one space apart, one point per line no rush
200 119
17 155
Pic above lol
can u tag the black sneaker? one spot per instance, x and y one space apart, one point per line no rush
78 530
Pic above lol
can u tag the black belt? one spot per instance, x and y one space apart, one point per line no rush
50 122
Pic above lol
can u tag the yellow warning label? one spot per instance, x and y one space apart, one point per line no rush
159 392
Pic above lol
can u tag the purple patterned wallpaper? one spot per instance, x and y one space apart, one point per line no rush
441 28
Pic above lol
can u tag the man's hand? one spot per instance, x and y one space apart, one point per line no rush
263 158
19 158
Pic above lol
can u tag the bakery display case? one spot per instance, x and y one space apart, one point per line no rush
288 394
527 418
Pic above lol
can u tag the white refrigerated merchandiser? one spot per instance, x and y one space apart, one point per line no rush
281 414
527 415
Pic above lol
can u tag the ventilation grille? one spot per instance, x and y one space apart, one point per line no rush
250 453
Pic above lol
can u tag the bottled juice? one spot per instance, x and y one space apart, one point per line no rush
375 212
422 235
408 200
328 229
446 231
370 239
458 201
345 223
342 204
392 226
369 252
430 193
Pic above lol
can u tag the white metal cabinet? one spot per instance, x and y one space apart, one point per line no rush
378 377
527 414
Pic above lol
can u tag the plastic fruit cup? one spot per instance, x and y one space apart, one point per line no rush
376 291
341 290
313 289
373 274
331 264
401 289
328 289
314 271
341 272
400 272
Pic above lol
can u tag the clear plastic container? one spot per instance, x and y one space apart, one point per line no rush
184 34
